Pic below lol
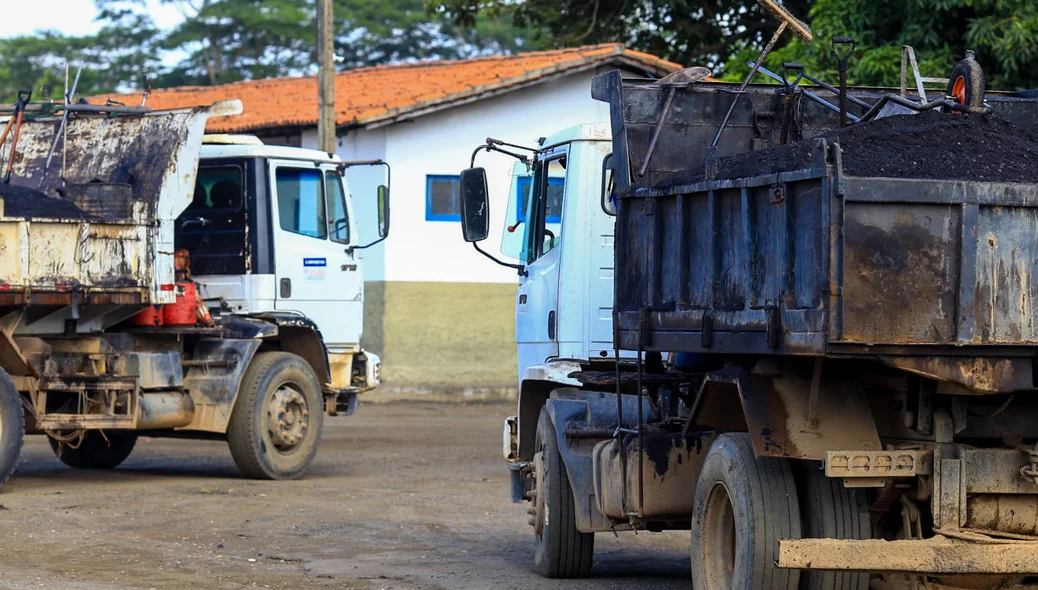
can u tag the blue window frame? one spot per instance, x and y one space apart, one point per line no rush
442 197
555 192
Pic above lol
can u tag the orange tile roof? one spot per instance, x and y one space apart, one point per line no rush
375 94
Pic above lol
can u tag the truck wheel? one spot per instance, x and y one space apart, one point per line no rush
12 426
966 84
831 511
562 550
743 506
96 451
276 421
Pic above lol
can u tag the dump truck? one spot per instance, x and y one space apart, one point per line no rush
156 281
812 347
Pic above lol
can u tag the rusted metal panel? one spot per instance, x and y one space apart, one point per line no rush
782 422
938 555
901 272
980 374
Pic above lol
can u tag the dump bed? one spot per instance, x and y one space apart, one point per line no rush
930 275
98 226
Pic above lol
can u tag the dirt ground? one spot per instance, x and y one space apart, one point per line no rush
402 495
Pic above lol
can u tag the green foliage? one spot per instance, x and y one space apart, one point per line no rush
686 31
1003 33
223 41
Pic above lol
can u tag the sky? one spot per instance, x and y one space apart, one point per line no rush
71 17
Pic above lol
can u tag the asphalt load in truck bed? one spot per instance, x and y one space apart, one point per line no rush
927 145
28 203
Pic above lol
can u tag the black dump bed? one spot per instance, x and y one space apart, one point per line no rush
912 239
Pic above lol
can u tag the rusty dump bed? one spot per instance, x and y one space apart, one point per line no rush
932 276
99 222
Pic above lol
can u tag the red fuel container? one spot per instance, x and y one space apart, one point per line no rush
185 311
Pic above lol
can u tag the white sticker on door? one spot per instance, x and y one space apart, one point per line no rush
314 268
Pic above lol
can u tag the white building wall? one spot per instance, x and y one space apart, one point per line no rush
442 143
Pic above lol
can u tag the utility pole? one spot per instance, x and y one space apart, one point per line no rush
325 77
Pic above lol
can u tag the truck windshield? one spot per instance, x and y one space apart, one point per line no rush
213 227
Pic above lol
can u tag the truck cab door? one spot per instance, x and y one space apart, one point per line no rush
537 303
316 271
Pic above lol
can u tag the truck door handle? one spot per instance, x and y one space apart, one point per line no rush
349 267
286 288
551 325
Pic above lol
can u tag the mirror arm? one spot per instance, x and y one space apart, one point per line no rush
350 249
490 147
519 267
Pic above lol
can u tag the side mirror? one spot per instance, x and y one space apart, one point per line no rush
382 197
475 206
383 211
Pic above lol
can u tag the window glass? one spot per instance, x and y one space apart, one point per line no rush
213 227
301 202
556 188
442 198
608 189
548 200
338 219
217 188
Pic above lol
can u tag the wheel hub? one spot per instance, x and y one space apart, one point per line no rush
288 418
538 510
720 545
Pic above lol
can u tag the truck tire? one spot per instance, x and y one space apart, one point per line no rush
96 451
12 426
743 506
831 511
562 550
276 421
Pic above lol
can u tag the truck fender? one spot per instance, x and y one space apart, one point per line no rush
535 387
214 387
299 335
223 361
572 409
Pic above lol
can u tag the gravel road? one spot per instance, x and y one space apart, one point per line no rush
401 496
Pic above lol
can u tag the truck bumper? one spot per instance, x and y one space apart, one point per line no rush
937 555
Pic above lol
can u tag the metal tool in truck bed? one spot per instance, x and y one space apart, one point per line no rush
145 288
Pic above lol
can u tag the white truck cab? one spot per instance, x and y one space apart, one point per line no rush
272 229
560 229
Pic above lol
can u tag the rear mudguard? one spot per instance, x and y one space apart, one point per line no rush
572 409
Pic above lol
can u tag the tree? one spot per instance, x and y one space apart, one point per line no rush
1003 33
222 41
229 40
691 32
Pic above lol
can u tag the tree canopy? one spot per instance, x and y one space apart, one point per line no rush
724 34
222 41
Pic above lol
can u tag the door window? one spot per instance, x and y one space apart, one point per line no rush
546 208
213 227
338 218
301 202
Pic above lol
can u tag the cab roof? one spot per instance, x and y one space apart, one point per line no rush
229 146
585 132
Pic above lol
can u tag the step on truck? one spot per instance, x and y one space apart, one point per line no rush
156 281
828 378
